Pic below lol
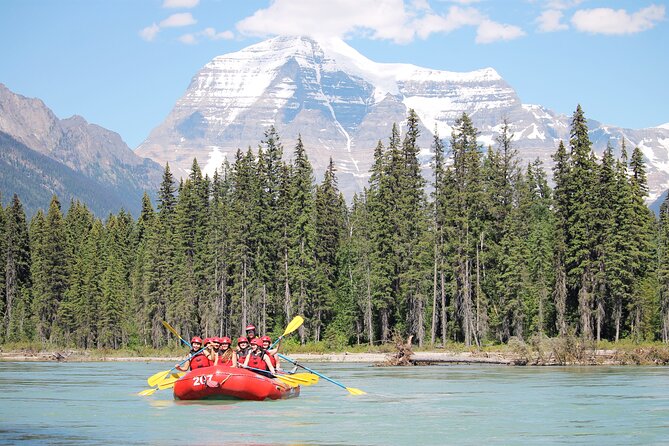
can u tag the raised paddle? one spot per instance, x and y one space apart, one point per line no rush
292 326
351 390
174 332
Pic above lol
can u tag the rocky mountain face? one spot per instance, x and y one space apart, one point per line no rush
342 104
42 155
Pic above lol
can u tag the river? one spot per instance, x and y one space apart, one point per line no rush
97 404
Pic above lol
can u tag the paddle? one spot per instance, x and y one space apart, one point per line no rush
292 326
163 375
156 378
293 380
351 390
174 332
148 392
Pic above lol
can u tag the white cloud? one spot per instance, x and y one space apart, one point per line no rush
213 35
489 32
149 33
549 21
180 3
209 33
188 39
395 20
562 4
178 20
610 21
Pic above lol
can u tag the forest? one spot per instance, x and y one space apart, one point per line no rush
483 251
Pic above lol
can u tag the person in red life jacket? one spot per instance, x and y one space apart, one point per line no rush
243 349
211 349
197 359
257 358
226 355
271 354
250 333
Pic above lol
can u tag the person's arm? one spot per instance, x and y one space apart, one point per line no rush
246 360
234 359
216 358
181 368
269 364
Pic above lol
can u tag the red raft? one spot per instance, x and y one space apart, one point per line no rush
222 382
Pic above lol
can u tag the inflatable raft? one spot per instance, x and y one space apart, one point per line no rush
222 382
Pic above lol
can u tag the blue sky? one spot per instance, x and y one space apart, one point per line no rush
122 64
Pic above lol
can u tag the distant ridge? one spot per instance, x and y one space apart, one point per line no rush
42 155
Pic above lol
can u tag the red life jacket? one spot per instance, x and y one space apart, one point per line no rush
272 359
198 361
257 362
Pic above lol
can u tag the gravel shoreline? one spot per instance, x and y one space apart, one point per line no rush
646 356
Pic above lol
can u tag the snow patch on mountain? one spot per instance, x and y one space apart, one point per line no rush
342 104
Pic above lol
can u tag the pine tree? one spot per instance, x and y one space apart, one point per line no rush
17 273
643 306
580 255
466 222
303 240
561 175
49 271
330 217
5 306
663 268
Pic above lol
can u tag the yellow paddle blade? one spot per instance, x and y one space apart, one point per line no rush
167 384
290 382
354 391
294 325
308 377
148 392
154 379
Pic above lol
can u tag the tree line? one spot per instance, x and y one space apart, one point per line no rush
483 251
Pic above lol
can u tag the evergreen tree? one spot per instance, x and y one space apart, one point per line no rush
330 216
17 273
4 307
49 271
561 175
663 268
303 241
644 304
581 242
466 223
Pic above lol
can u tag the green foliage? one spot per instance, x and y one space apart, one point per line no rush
492 255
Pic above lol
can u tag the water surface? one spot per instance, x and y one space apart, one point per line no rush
96 403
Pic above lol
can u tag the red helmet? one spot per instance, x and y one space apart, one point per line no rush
196 339
256 341
226 340
250 327
217 340
242 339
266 339
206 341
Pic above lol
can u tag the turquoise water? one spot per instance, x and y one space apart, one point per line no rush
96 403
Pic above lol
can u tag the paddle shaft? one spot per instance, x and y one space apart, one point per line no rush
174 332
312 371
292 326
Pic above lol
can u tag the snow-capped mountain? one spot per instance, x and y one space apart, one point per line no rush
342 104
